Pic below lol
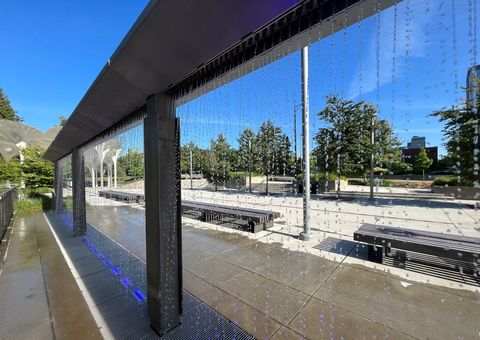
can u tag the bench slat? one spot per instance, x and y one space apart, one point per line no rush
443 245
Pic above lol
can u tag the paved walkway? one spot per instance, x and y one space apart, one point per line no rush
39 297
273 292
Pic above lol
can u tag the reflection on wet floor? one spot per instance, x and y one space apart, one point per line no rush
267 289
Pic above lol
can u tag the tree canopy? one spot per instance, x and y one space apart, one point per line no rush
131 164
37 171
6 109
199 158
219 161
461 141
422 162
344 146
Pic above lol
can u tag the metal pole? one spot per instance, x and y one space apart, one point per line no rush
191 170
250 165
295 129
372 161
305 235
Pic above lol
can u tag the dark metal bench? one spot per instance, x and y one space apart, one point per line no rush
383 239
127 197
257 220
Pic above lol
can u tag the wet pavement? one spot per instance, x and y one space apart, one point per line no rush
273 292
39 298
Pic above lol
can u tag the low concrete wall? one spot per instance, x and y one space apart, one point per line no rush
466 193
319 187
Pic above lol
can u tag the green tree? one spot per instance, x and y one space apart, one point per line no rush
387 150
248 151
6 109
62 120
422 162
199 158
219 161
37 171
273 150
461 142
344 146
10 171
131 164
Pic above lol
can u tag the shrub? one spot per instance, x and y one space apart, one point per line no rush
400 168
236 175
451 181
322 177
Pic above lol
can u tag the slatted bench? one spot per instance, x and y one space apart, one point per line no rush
383 239
122 196
257 220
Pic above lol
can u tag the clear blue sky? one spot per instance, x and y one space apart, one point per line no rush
56 49
51 51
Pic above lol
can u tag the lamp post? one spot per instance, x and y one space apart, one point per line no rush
191 170
372 146
305 235
250 164
295 108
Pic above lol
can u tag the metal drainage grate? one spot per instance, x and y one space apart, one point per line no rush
202 322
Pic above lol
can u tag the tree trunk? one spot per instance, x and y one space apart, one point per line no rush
266 186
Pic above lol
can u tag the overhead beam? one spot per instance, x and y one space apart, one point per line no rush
307 23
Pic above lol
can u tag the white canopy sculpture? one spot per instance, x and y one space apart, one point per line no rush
96 157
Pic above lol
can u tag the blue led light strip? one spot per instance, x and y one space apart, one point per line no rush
116 271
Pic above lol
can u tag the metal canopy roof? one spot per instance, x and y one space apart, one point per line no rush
178 46
168 41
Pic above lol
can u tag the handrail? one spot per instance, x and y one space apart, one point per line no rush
7 200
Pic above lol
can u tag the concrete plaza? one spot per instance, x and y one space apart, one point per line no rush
273 285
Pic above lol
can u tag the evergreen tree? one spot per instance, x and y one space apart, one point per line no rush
10 172
6 109
199 158
248 151
131 164
461 141
37 171
422 162
273 150
344 147
219 161
62 120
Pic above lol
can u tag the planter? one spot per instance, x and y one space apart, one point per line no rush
322 186
461 192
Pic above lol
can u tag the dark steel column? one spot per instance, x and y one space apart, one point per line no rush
162 218
58 188
78 195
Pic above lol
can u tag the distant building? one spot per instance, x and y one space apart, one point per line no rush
411 151
473 90
417 142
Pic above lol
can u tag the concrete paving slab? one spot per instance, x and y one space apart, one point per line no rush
285 333
321 320
410 308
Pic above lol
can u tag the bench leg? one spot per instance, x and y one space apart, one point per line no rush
375 253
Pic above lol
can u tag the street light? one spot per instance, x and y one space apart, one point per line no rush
372 160
191 169
250 164
295 108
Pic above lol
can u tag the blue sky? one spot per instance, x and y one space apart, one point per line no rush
56 49
409 69
52 50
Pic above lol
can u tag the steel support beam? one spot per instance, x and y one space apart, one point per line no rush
58 188
78 194
162 217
